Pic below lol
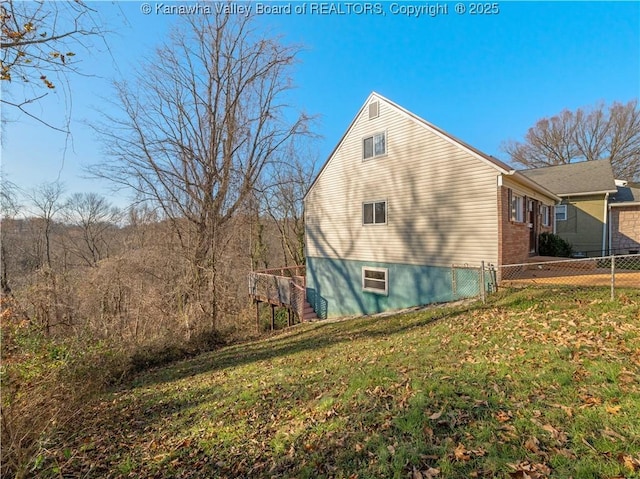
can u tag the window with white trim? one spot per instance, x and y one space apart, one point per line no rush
375 145
374 213
561 212
517 208
546 217
375 280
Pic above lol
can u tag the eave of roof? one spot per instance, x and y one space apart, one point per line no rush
622 204
586 193
500 166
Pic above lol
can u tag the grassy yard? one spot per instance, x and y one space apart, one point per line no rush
536 384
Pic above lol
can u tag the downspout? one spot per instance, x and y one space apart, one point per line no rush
604 225
610 230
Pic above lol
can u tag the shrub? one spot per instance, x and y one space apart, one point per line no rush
44 383
552 245
47 380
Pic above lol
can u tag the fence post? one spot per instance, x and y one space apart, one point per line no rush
454 284
613 276
482 283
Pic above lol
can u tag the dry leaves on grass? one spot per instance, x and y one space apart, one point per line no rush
629 462
504 416
556 434
428 473
607 336
567 410
461 453
527 470
532 444
615 410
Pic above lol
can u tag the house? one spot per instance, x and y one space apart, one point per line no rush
399 203
585 189
624 218
598 214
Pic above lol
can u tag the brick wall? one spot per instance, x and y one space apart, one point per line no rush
625 228
513 237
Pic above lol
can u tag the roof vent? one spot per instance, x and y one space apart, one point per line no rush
374 110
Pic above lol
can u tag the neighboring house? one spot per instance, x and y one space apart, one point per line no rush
596 215
398 202
624 219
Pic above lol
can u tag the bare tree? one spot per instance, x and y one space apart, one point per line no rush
283 202
587 134
39 41
8 209
46 202
93 216
8 197
199 124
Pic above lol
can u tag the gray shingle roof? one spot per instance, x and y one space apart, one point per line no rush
575 178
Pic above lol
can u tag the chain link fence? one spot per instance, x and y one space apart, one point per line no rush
615 272
473 281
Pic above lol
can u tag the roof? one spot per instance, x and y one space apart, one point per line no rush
500 166
626 195
575 179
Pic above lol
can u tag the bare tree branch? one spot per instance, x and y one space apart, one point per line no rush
39 39
93 216
587 134
198 126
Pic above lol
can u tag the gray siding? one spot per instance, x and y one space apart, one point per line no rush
442 200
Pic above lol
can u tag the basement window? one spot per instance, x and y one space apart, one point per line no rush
375 145
375 280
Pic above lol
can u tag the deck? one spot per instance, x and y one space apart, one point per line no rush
281 287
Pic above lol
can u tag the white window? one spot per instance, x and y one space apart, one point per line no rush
544 212
374 145
375 280
374 213
517 208
561 212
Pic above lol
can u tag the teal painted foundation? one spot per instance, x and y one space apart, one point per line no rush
334 287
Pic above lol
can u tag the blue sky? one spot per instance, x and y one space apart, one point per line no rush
483 78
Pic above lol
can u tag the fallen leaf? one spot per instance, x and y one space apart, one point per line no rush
590 401
430 473
532 445
435 415
557 434
503 416
568 453
568 411
526 470
461 453
613 409
631 463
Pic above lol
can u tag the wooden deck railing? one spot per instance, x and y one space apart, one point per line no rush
280 287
